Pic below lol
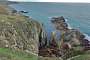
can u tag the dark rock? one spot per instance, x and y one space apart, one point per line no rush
14 11
82 37
60 23
58 19
23 11
85 42
65 46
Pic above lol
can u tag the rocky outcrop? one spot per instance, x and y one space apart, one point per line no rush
72 41
59 23
71 36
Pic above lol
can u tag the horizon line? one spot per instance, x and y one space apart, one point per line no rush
57 1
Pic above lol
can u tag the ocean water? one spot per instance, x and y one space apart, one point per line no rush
77 14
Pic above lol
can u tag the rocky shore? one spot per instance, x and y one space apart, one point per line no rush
72 42
73 36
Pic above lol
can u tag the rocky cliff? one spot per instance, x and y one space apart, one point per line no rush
17 31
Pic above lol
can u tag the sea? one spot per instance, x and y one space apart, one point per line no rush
77 14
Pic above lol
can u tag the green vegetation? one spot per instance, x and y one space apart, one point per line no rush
82 57
8 54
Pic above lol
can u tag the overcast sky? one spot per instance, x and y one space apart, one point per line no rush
87 1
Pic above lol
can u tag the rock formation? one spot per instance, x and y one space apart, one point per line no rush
72 40
18 32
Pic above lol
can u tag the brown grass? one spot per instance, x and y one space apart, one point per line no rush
3 9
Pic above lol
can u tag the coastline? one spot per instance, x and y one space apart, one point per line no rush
40 18
69 27
86 35
32 32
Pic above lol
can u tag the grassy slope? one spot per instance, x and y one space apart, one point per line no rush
8 54
82 57
85 56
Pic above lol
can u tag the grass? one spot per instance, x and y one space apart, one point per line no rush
9 54
82 57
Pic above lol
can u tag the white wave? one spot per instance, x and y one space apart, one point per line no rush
49 17
66 20
69 27
87 36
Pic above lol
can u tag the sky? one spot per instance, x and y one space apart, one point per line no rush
86 1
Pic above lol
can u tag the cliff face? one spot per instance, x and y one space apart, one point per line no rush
19 32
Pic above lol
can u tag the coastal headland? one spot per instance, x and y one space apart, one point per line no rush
23 38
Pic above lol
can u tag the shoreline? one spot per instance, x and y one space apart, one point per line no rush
52 25
51 48
86 35
66 20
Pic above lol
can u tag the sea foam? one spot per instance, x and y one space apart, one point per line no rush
69 27
86 35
